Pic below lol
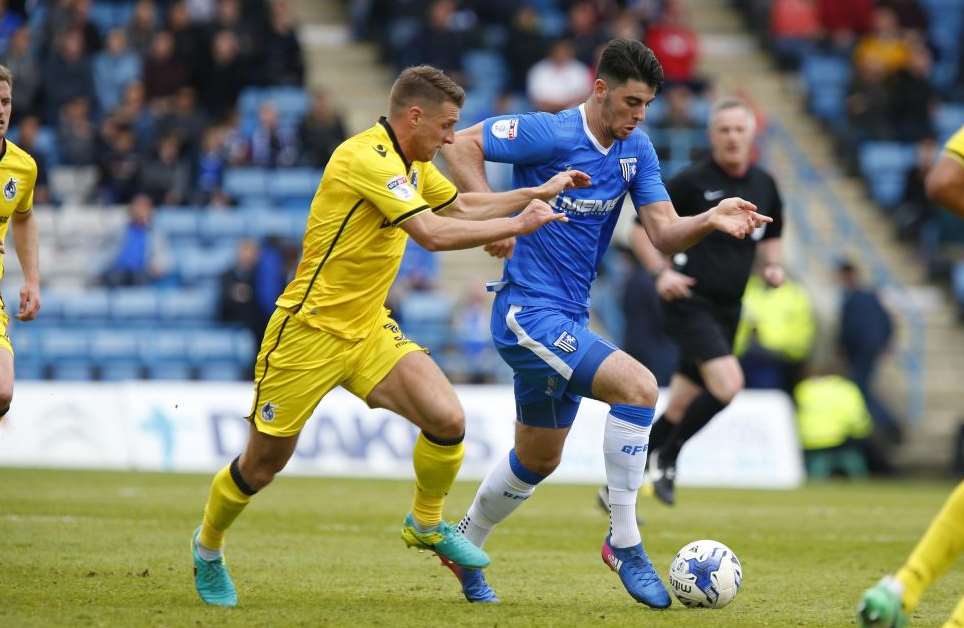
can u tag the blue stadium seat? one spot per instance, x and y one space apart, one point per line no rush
884 166
162 346
206 263
92 303
291 103
133 304
245 182
177 222
826 78
27 368
212 345
170 370
485 70
220 372
294 183
245 346
274 222
72 370
121 371
947 119
63 343
113 344
426 319
52 302
27 341
221 225
194 304
250 100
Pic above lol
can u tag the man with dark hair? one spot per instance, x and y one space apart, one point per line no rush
541 311
701 288
330 326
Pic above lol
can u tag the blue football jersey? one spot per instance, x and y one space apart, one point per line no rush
556 265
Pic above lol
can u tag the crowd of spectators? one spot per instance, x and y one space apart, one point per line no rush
142 97
887 79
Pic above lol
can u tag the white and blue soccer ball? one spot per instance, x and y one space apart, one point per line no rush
705 574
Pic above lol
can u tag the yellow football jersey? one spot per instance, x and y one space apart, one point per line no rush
18 174
353 246
955 145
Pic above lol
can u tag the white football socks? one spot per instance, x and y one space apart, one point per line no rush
501 492
624 448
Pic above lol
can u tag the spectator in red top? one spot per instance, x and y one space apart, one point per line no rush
795 28
844 21
675 44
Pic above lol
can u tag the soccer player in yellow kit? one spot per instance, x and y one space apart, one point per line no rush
18 175
945 183
331 328
890 602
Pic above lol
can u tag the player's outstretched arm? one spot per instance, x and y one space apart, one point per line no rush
945 183
486 205
669 284
671 233
441 233
25 241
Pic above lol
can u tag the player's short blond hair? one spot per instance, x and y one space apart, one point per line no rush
6 76
421 84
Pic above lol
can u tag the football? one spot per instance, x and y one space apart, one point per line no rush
705 574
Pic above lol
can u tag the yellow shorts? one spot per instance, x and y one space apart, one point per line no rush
4 322
299 364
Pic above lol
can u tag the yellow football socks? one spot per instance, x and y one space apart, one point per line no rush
225 502
436 465
936 550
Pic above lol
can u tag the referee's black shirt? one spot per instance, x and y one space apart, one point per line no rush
720 263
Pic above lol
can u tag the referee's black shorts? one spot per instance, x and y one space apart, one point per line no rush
703 329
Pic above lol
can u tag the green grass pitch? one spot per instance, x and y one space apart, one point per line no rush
111 549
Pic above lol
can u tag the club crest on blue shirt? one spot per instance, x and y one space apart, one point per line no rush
567 342
628 166
10 189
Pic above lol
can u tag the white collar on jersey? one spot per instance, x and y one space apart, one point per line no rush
592 138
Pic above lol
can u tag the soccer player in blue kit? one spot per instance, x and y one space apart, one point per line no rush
541 310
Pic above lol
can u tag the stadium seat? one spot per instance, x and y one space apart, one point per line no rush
113 344
220 372
72 370
485 71
31 369
246 182
195 304
219 225
170 370
205 263
64 343
426 318
291 103
297 183
947 119
93 303
826 78
121 371
274 222
212 345
884 166
245 346
177 223
133 304
160 346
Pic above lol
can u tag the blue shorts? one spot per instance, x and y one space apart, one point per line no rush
554 358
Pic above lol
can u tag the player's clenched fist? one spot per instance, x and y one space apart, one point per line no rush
536 214
737 217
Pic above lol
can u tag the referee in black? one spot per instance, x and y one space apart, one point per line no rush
701 289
